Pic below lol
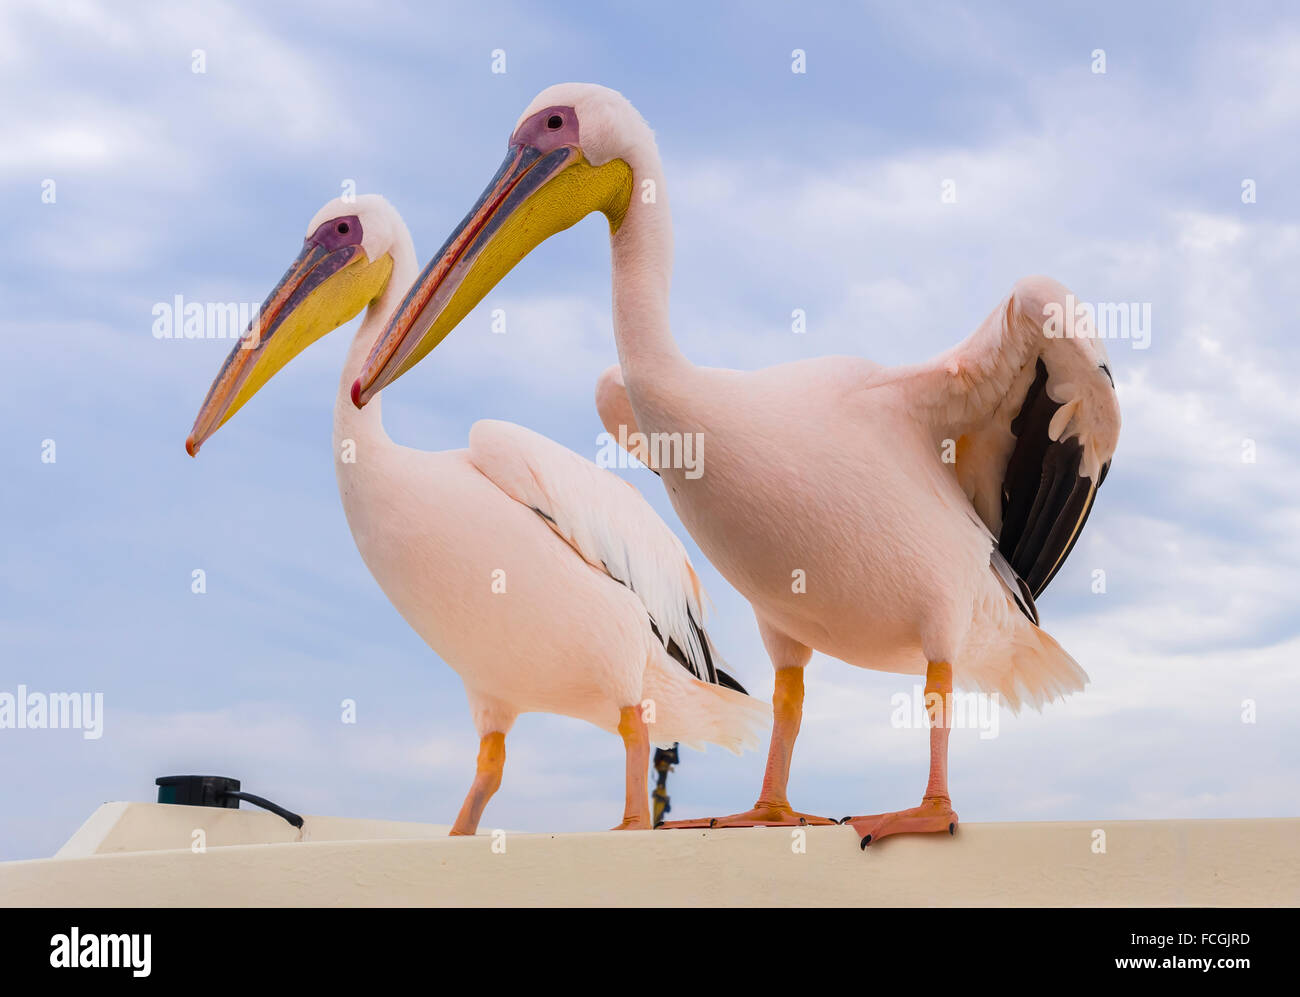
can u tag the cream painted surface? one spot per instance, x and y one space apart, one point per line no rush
1193 862
143 827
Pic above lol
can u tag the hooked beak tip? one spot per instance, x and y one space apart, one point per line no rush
191 447
356 393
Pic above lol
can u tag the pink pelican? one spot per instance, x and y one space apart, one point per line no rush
548 584
900 519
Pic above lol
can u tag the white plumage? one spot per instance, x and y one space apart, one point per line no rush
898 519
535 614
606 520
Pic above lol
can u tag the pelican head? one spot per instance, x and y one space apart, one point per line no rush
571 153
345 264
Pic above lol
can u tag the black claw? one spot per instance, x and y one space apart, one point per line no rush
865 841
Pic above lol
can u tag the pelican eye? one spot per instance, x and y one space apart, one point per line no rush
343 228
554 122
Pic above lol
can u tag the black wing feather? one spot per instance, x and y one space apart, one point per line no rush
1016 585
1045 501
712 674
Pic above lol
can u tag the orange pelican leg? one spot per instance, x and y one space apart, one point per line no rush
636 740
487 780
773 808
935 812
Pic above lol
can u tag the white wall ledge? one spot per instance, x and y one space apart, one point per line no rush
1146 863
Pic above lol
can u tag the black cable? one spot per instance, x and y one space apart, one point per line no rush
266 804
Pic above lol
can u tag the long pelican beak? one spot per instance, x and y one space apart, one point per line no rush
535 194
327 285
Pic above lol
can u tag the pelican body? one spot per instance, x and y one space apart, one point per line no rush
900 519
548 584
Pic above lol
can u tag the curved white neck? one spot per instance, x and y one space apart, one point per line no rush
642 260
365 427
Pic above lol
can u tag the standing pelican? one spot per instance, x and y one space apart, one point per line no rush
548 584
898 519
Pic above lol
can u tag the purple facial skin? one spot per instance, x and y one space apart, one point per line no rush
337 233
548 129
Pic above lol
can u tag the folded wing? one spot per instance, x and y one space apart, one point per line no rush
608 523
1030 403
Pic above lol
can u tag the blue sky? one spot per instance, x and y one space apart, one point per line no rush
817 191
